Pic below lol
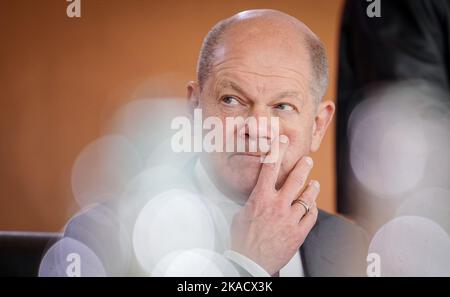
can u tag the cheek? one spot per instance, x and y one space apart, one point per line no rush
299 144
299 137
291 158
209 108
299 132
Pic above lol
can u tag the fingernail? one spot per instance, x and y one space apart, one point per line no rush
315 183
309 160
284 139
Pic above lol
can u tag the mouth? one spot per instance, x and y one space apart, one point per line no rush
259 155
250 156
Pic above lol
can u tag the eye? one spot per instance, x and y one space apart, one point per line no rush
230 100
285 107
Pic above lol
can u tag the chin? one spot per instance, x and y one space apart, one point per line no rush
236 175
242 175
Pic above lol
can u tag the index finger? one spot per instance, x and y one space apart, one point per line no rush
270 168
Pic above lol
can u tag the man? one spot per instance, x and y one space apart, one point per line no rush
262 64
259 64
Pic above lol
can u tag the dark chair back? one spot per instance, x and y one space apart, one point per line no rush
21 252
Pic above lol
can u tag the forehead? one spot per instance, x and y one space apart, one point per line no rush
245 75
262 60
257 81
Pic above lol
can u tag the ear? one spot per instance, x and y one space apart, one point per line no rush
323 118
193 95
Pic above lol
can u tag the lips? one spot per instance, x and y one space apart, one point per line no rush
259 156
251 154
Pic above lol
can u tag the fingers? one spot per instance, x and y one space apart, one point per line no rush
309 196
271 164
297 178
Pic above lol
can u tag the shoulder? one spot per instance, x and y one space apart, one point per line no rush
335 223
335 247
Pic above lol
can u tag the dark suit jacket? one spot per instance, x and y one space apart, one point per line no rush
334 247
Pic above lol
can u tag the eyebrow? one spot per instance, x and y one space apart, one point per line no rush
285 94
232 85
288 94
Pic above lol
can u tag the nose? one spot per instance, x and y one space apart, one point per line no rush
259 128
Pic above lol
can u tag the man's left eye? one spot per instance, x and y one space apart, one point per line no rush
285 106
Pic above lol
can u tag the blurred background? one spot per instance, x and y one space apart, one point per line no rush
61 80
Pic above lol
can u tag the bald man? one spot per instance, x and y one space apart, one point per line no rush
263 64
259 64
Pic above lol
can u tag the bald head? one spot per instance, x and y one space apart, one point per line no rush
267 28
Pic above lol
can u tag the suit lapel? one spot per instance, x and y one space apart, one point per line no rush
316 259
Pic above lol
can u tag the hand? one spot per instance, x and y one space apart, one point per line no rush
271 227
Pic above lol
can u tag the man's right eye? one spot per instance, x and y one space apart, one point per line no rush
230 100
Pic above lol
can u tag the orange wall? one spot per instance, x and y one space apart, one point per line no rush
61 78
